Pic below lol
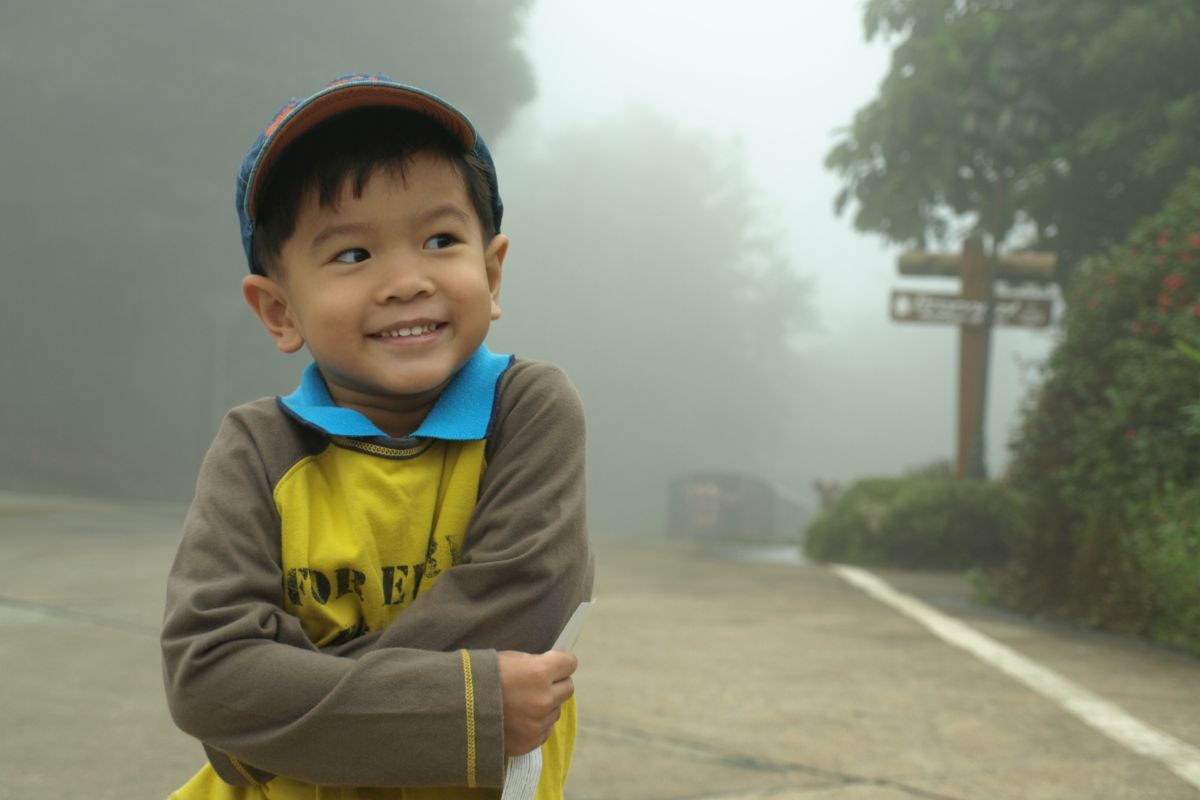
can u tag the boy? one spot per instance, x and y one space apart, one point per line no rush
358 551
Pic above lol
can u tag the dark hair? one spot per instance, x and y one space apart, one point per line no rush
351 147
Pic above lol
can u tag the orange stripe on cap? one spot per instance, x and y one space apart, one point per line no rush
280 117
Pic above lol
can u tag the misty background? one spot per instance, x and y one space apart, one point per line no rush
674 241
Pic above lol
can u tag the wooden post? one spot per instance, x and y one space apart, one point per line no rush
972 345
975 311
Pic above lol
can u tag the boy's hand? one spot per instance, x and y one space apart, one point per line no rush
532 689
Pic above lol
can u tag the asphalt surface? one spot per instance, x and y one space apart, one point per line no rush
705 674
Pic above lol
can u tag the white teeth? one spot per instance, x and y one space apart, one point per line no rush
400 332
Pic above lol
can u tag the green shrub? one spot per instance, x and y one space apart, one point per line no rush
849 529
951 524
1112 430
1165 549
1139 574
931 523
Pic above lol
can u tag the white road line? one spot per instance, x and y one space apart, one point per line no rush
1178 756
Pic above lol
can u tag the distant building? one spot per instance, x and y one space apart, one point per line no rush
730 506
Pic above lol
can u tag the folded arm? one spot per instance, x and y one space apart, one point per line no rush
526 561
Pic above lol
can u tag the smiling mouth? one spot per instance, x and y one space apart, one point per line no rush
403 333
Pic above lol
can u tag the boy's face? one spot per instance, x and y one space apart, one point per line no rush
391 292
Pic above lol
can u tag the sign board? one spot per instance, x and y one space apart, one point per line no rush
1020 312
1025 267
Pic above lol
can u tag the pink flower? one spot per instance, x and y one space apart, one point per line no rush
1194 238
1131 434
1171 283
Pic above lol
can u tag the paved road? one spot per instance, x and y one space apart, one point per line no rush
703 676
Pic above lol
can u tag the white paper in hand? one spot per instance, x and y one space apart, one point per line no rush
522 774
570 631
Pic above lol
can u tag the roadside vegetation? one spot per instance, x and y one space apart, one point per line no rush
1098 519
1108 454
1067 127
920 522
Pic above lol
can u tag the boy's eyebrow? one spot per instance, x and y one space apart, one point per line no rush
444 210
338 229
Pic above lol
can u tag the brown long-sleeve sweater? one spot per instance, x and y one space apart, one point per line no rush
336 602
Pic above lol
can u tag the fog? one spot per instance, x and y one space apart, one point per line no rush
674 243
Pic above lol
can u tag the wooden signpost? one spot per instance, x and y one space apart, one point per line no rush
975 311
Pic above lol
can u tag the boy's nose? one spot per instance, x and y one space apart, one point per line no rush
403 281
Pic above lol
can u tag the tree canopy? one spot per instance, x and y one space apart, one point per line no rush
1085 117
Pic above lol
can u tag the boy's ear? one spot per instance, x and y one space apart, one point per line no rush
269 303
493 259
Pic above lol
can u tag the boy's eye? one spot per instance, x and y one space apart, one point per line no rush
440 241
352 256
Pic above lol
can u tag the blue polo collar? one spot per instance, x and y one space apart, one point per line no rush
463 411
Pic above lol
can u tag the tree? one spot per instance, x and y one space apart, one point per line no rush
1110 106
639 263
124 333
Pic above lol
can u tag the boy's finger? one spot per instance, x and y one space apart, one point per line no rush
563 690
546 731
562 665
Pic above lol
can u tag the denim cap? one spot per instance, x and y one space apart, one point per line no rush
348 93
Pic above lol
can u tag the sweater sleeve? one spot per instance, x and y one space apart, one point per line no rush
242 677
